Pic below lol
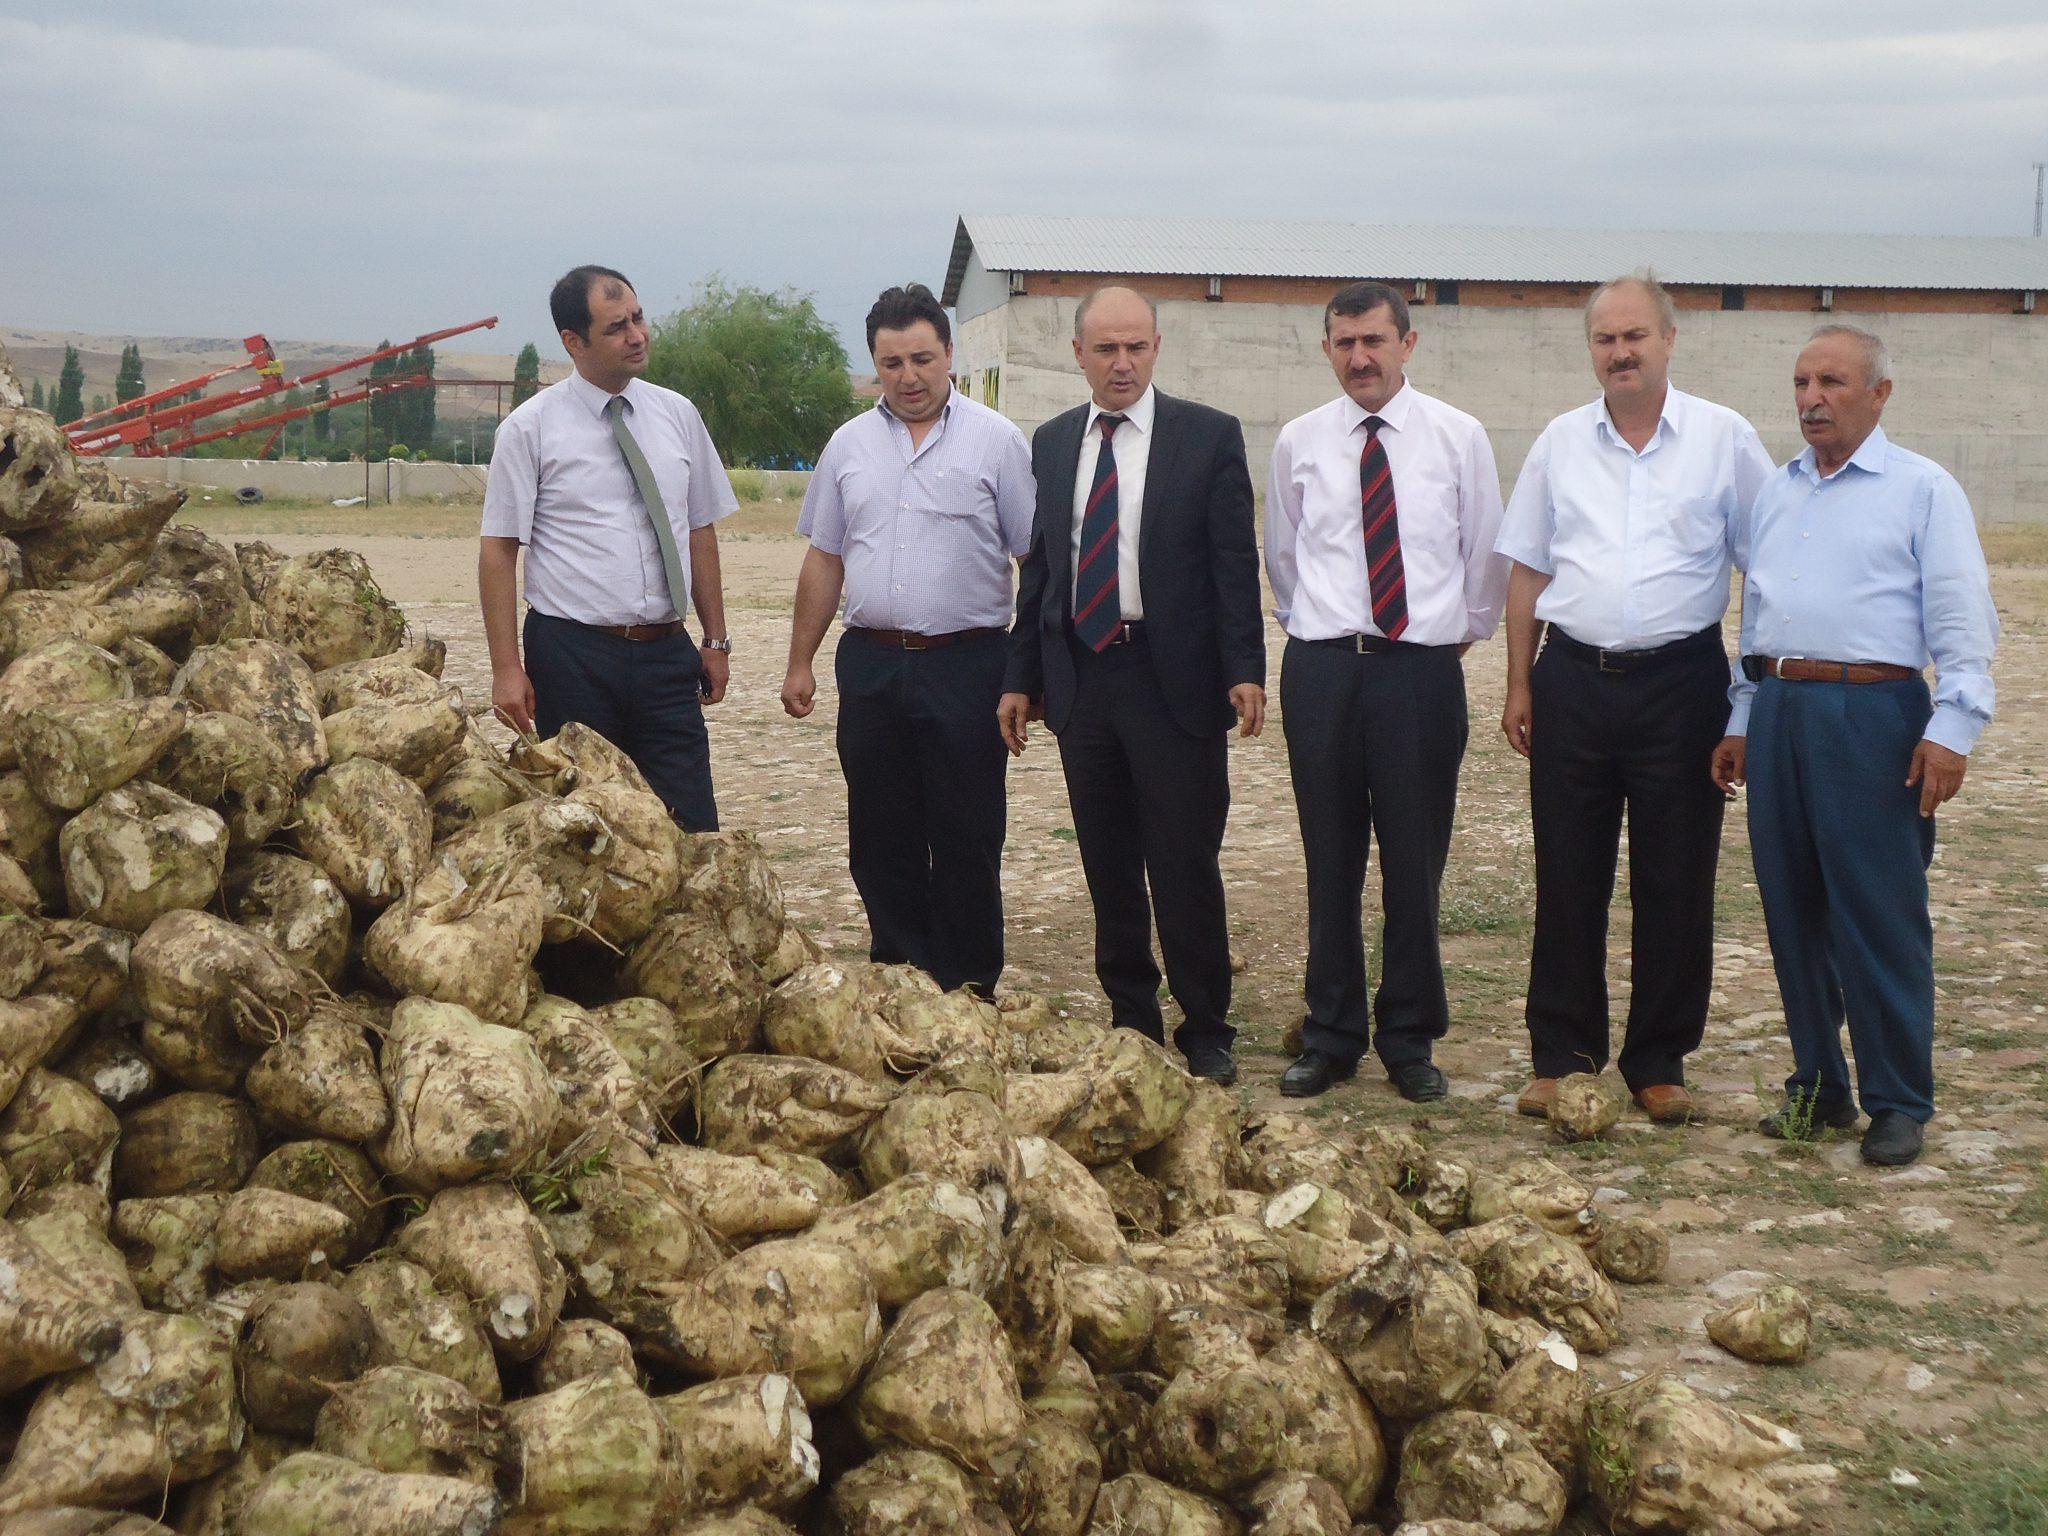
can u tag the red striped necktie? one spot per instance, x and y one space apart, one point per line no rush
1383 575
1098 608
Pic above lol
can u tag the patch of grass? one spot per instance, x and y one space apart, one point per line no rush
749 484
1484 909
1994 1478
1064 834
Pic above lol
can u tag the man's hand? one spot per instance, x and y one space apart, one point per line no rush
717 673
1516 718
512 696
1013 712
1730 765
799 691
1939 773
1249 700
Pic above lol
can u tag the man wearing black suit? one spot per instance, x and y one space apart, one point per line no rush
1140 641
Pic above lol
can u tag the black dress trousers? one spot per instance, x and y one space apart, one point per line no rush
643 696
1150 801
1374 742
1606 743
925 803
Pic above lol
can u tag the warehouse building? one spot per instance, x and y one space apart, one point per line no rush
1501 334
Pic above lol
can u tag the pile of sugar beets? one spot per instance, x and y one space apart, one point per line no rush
403 1138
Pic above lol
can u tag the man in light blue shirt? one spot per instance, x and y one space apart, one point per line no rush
1862 567
916 512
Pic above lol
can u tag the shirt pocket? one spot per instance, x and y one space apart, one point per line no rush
958 494
1699 524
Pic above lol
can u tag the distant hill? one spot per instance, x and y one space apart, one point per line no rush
167 359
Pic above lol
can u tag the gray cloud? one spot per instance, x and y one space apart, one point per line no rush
384 167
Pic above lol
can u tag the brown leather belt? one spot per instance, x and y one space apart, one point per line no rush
911 640
659 631
1806 669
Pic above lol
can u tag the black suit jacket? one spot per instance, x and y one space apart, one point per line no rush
1198 564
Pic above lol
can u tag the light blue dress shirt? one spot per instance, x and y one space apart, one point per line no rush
1877 562
927 532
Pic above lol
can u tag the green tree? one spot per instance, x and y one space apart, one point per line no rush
416 406
128 383
99 404
70 402
383 406
767 372
323 421
526 374
35 395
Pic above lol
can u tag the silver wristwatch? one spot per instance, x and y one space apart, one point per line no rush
718 645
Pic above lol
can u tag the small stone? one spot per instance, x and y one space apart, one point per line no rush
1924 1219
1918 1378
1901 1478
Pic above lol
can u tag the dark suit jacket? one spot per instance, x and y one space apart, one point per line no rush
1198 564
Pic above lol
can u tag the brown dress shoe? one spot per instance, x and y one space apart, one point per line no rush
1535 1099
1666 1103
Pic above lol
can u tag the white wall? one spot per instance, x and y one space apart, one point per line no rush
1971 392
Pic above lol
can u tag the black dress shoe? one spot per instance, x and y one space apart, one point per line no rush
1893 1139
1315 1072
1419 1082
1799 1120
1213 1063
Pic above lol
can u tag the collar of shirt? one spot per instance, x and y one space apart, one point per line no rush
1670 419
594 399
1868 457
900 429
1394 413
1139 415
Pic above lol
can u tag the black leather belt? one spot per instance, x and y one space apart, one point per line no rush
1634 661
911 640
1364 645
1127 633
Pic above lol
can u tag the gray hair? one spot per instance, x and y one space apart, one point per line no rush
1876 359
1088 302
1645 279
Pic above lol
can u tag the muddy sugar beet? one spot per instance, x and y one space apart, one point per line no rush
322 1210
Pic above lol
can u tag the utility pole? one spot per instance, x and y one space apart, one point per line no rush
2040 185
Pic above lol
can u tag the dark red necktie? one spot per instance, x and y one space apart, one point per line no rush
1383 576
1098 606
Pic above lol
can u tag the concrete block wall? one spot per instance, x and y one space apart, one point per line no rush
389 481
1971 391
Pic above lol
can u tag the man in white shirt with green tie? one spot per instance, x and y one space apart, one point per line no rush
613 486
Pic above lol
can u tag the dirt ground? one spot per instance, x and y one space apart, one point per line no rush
1930 1285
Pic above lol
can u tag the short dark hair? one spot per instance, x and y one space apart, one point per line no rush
1363 299
569 300
899 308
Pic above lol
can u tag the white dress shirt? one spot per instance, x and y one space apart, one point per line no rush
559 485
1446 507
1637 545
1133 448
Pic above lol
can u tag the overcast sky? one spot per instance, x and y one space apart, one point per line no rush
354 170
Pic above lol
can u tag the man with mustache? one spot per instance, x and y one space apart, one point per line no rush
1621 528
1381 516
915 512
1139 638
611 485
1861 566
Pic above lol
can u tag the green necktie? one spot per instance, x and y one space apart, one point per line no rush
657 510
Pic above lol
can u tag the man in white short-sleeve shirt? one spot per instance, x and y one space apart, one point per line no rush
578 476
1622 528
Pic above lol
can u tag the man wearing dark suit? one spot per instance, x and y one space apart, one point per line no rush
1140 641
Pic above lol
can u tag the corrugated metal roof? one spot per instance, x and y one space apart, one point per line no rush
1316 248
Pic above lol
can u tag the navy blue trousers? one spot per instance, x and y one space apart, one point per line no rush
1373 747
643 696
1841 855
1150 803
926 807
